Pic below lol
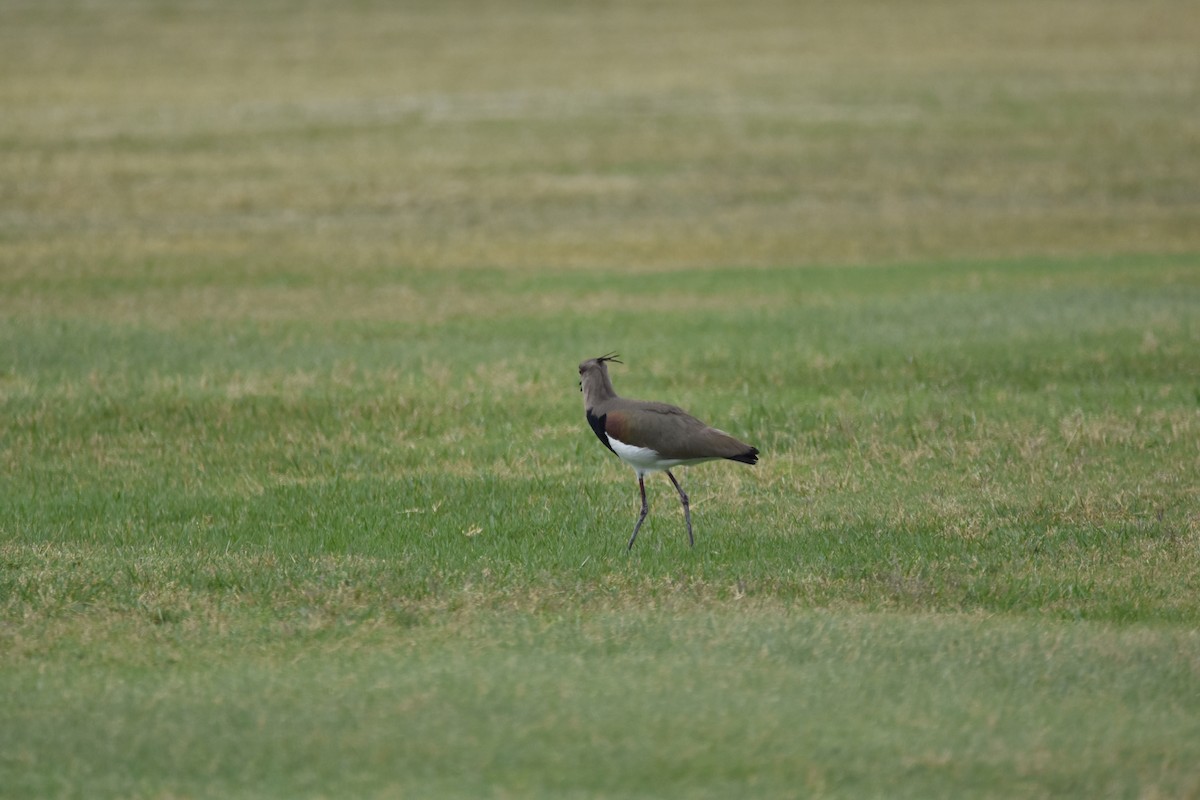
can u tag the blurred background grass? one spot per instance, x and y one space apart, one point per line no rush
312 143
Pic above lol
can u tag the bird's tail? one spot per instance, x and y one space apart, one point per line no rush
748 457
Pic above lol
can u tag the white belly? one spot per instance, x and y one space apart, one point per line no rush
643 459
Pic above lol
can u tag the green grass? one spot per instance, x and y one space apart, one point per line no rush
296 494
697 703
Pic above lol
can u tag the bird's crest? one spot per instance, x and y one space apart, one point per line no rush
613 357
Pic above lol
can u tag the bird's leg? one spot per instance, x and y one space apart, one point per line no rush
642 518
687 514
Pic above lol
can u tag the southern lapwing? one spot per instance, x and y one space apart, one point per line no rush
652 436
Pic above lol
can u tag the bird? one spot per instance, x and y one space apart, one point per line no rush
652 437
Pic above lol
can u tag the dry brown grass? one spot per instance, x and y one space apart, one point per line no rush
331 141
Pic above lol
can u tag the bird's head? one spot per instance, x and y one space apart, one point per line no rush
593 378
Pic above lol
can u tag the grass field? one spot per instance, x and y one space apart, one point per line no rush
296 494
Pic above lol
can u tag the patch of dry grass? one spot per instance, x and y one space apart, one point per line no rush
334 140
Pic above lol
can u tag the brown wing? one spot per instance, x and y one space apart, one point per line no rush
673 433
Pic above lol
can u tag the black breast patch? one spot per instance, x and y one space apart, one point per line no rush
597 424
